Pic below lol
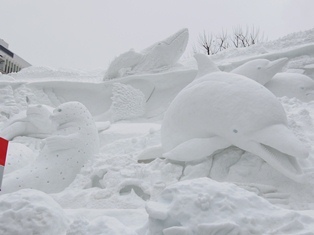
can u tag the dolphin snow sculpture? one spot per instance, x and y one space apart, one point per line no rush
161 54
292 85
221 109
261 70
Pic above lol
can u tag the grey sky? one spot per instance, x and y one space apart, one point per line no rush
85 34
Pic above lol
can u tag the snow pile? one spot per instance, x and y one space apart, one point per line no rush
127 102
204 206
101 225
5 77
291 40
41 73
31 212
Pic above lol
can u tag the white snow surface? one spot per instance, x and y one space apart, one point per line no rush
127 102
31 212
230 192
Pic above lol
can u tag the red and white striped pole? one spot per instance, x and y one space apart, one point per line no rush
3 154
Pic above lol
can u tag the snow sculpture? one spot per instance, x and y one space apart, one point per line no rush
204 206
8 105
34 122
31 212
223 109
74 142
18 156
292 85
127 102
161 54
261 70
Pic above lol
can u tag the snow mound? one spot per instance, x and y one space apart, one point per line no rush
293 39
41 71
204 206
5 77
127 102
107 225
47 73
31 212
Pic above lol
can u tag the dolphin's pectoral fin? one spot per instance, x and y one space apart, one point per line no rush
284 163
281 138
196 149
150 154
288 162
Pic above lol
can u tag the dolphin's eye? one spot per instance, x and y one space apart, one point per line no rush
302 88
59 110
259 67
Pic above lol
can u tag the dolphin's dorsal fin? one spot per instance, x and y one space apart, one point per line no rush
205 65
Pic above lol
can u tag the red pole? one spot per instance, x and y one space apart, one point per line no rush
3 154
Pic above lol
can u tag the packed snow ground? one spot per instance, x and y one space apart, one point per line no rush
231 192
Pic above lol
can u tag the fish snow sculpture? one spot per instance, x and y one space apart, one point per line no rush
160 55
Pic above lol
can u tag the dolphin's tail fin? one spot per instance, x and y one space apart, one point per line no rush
282 139
281 162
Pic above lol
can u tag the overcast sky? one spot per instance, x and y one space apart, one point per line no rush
87 34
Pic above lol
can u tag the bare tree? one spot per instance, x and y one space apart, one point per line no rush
256 36
246 38
222 41
206 42
240 38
